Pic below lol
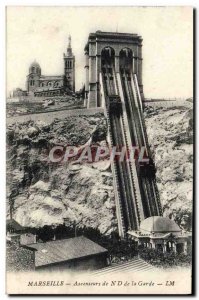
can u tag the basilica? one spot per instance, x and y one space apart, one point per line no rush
38 85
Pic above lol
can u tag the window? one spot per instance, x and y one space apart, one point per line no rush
33 69
56 84
68 64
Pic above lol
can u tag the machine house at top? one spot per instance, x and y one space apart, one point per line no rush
124 51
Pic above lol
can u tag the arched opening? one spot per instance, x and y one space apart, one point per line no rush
108 56
170 246
32 82
56 84
107 67
126 60
68 64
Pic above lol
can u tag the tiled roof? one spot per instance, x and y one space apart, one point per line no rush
65 249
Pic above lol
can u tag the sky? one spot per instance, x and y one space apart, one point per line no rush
41 34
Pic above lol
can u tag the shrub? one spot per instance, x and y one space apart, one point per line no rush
168 259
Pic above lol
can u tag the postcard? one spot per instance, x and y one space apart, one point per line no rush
99 130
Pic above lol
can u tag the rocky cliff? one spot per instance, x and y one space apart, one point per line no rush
44 193
170 133
40 192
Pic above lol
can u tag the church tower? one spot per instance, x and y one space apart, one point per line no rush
32 82
69 67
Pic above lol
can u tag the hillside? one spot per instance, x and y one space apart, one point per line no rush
44 193
170 133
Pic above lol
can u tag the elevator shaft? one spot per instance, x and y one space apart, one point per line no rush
136 187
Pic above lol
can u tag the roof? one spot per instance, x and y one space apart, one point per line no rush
64 250
111 36
11 223
99 33
51 77
159 224
157 235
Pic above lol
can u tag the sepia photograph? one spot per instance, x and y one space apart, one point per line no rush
99 150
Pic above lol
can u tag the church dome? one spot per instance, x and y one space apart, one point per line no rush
159 224
35 64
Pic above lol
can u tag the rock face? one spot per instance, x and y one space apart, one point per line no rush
170 133
41 192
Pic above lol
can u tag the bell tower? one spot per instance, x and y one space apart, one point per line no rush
69 67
